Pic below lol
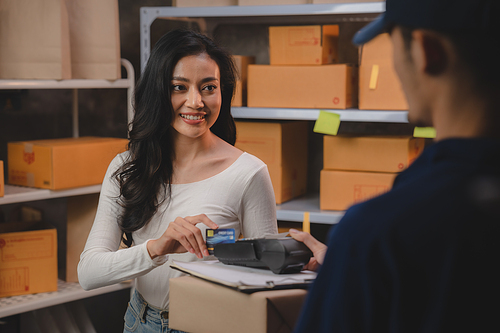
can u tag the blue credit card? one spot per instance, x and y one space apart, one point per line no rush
219 236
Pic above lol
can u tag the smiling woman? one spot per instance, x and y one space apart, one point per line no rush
181 175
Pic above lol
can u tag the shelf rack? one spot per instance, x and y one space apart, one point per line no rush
294 210
208 18
75 84
18 194
67 292
312 114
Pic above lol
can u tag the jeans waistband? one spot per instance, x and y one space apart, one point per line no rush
143 308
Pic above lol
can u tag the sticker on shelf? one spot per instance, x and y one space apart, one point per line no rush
424 132
327 123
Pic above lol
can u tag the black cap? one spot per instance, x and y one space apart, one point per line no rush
439 15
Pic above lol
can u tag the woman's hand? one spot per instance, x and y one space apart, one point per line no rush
318 249
182 235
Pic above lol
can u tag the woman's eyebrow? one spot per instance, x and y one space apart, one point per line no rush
208 79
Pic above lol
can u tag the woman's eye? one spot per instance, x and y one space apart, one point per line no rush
210 88
177 87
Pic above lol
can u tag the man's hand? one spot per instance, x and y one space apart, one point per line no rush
318 249
182 235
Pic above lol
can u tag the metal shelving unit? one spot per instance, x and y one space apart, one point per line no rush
208 18
67 292
75 84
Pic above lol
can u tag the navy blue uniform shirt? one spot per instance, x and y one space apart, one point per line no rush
423 257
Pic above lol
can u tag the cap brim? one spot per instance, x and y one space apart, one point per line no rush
370 31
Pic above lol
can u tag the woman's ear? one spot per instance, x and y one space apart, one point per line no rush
429 52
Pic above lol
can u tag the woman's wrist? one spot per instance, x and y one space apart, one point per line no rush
150 247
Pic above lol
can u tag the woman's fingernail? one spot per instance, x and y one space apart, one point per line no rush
293 231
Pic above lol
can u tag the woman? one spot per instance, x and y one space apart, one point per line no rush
180 176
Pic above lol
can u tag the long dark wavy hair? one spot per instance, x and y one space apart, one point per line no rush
145 179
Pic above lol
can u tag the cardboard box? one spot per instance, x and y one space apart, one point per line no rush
28 256
34 40
94 39
327 86
81 212
62 163
2 183
240 94
200 306
371 153
303 45
271 2
341 189
204 3
379 85
283 147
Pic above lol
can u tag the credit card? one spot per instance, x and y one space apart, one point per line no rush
219 236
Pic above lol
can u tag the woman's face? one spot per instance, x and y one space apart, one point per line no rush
196 95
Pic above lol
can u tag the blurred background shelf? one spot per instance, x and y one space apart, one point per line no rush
17 194
294 210
67 292
312 114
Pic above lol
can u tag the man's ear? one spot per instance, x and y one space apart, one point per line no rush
429 52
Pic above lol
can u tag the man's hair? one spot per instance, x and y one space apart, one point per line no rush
479 53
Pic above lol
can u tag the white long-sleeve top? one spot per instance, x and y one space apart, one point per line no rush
240 197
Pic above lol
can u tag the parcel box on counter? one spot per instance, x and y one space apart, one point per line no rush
379 85
283 147
2 182
240 93
62 163
326 86
303 45
341 189
370 153
201 306
28 256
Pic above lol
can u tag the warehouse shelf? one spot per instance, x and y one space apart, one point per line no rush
312 114
17 194
75 84
294 210
66 292
208 18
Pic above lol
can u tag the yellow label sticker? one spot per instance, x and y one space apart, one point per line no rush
306 224
424 132
374 77
327 123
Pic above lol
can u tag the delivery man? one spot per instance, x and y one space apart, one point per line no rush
423 257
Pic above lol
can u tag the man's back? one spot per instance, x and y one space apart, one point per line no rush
422 257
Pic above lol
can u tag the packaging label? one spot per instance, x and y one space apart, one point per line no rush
25 247
219 236
13 280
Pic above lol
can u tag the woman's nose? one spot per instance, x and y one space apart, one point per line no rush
194 100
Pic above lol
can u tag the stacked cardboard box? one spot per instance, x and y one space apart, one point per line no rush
28 258
240 93
62 163
358 168
303 72
379 85
283 147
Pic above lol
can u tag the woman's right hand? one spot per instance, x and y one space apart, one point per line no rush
318 249
182 235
